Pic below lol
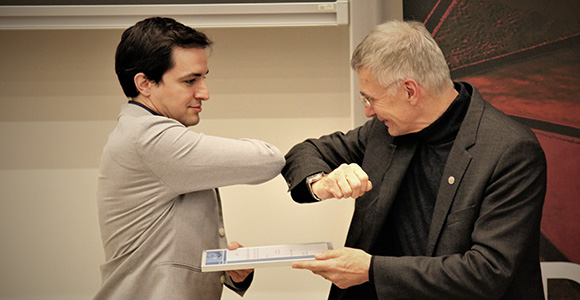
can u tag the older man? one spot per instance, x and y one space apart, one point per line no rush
449 190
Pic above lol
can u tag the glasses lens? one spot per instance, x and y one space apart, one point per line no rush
365 101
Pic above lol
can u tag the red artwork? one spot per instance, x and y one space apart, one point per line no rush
524 57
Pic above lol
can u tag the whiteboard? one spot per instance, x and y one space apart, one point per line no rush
60 14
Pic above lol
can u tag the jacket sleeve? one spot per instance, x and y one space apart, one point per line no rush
239 288
323 155
188 161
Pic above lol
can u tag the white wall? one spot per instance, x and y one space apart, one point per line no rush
59 99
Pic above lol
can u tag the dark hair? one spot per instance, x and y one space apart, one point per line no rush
147 48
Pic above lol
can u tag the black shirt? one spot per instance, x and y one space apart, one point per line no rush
407 227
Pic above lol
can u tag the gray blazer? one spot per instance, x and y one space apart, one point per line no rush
159 207
484 237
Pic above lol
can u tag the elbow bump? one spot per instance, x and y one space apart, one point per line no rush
273 168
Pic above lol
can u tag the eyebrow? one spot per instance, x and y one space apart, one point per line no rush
365 95
195 75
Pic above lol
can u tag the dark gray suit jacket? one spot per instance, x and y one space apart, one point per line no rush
484 237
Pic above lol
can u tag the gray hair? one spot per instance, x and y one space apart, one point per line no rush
396 50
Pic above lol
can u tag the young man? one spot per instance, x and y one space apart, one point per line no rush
159 206
449 190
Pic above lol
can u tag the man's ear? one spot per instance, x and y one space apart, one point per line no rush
412 91
142 84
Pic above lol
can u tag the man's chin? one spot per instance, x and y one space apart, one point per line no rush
392 131
190 122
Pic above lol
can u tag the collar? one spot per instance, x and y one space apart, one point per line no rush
145 107
447 126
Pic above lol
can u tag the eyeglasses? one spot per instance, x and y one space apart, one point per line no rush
367 101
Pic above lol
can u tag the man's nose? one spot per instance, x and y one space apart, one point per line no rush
202 92
369 111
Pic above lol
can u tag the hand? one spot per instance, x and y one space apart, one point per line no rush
344 267
238 275
346 181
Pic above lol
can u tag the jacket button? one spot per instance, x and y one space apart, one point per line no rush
451 180
222 279
222 232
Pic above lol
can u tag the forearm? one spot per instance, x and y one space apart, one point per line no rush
303 160
443 277
321 155
190 161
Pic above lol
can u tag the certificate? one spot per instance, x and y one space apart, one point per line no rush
263 256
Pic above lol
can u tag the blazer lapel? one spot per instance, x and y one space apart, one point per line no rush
455 168
390 162
452 177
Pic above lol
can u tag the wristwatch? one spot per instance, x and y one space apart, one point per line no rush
311 180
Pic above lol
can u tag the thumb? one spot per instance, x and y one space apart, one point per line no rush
234 245
328 254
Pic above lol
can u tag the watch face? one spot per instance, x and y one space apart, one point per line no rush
311 180
314 178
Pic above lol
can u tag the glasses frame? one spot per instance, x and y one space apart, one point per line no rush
366 101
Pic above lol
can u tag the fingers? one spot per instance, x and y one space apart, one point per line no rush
301 265
328 254
239 275
234 245
351 180
319 263
346 181
344 267
313 266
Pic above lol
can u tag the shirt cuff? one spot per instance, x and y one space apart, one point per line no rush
371 272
